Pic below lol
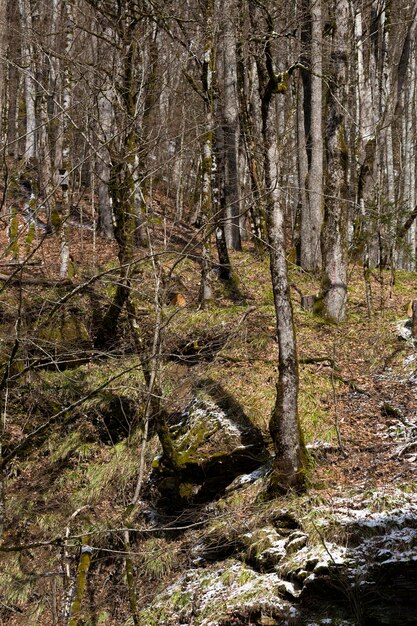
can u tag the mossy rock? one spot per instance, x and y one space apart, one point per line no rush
215 596
65 336
68 331
212 448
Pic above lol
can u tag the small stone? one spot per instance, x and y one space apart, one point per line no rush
301 575
286 588
295 542
266 620
321 568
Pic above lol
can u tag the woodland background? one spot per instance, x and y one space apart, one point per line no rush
183 184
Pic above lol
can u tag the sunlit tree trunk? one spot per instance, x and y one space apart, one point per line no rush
334 236
65 160
302 163
228 100
14 82
312 214
206 292
3 68
27 17
366 148
288 471
105 98
249 135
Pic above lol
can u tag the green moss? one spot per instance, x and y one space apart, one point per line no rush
282 81
245 576
68 331
30 238
186 490
318 306
83 567
14 233
56 219
180 599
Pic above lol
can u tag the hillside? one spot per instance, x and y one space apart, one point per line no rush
74 418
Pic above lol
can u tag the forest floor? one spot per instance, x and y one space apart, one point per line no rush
358 380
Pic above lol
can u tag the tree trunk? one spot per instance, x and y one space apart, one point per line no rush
289 466
334 236
3 69
206 293
103 165
227 80
284 426
83 567
248 114
302 166
410 162
220 204
65 165
312 216
26 16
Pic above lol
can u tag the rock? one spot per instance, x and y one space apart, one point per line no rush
213 449
288 589
403 330
247 479
216 596
264 548
366 575
414 318
284 521
308 302
295 541
265 620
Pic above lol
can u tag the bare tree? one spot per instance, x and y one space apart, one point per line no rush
334 236
229 123
289 466
312 209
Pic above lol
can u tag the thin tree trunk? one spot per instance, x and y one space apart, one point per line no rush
82 573
302 163
66 160
284 426
289 466
45 166
29 79
410 162
312 217
103 164
206 293
220 204
249 134
227 65
3 69
334 237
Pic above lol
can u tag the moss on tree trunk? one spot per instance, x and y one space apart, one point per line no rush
83 567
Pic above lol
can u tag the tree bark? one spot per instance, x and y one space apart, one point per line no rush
103 164
83 567
289 466
26 16
312 215
227 80
334 235
206 293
